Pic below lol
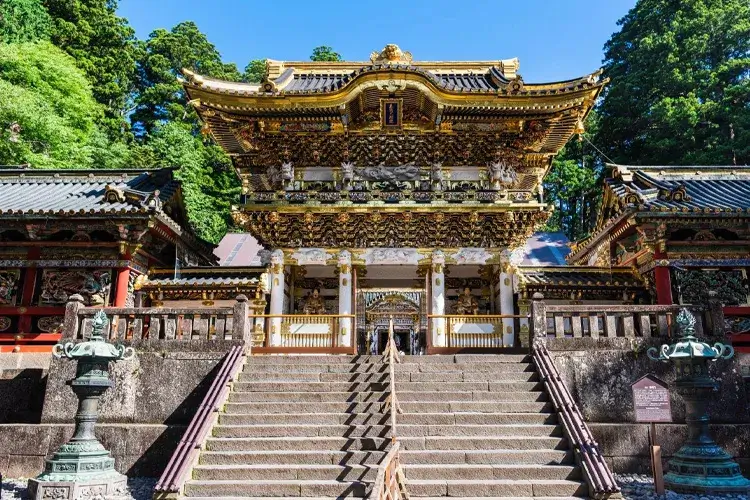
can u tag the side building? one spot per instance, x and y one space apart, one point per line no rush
86 232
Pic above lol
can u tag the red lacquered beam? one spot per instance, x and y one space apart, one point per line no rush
173 477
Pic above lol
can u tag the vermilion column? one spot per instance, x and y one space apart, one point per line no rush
662 281
121 292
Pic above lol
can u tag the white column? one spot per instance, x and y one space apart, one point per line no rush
345 298
277 295
438 299
506 304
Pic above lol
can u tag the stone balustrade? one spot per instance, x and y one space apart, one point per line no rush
625 321
161 323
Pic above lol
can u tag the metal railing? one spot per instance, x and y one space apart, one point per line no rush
183 459
599 478
390 483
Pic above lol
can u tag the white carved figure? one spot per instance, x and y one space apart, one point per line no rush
391 256
515 256
344 258
472 256
287 173
277 257
347 173
437 176
383 173
308 256
438 256
501 174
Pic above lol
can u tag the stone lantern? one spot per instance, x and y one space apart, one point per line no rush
700 466
82 468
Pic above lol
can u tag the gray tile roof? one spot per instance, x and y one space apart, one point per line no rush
579 277
71 192
684 188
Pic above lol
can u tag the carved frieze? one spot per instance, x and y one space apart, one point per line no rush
59 284
9 285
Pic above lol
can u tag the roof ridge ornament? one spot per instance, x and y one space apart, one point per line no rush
391 53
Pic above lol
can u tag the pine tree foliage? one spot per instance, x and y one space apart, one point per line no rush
23 21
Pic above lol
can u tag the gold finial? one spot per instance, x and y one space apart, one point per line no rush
391 53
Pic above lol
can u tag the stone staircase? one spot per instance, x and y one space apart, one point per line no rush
314 426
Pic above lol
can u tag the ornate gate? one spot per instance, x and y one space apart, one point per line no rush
375 308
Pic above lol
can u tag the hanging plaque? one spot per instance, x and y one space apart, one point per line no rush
651 400
391 113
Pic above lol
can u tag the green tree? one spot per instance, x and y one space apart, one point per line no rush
680 89
161 97
103 45
573 185
255 71
23 21
169 128
209 184
324 53
47 111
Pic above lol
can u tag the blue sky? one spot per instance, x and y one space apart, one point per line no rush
554 40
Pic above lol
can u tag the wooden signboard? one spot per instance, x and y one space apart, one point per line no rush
651 401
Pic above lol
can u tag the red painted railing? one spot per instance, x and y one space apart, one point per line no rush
600 480
173 478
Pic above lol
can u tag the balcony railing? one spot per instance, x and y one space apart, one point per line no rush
304 333
474 331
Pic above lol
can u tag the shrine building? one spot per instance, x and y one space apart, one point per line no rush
394 186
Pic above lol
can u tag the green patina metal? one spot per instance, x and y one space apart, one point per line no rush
83 458
700 466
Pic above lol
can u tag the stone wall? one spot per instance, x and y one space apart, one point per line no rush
139 450
599 373
162 384
625 446
23 377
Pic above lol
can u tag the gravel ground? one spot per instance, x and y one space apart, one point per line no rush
634 487
641 487
140 488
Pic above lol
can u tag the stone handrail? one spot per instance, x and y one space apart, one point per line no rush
173 478
610 321
598 476
160 323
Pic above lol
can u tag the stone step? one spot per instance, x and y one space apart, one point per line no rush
495 488
377 407
330 397
268 488
286 457
359 359
334 443
508 457
380 419
492 471
467 498
466 443
346 387
404 430
285 472
509 371
399 368
337 443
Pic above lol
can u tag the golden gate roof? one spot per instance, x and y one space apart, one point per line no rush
472 112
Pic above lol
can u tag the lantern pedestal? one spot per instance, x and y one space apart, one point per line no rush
701 466
82 468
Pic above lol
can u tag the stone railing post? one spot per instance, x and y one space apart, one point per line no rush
716 315
538 318
241 328
71 324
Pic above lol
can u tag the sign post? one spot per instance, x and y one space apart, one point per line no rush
651 401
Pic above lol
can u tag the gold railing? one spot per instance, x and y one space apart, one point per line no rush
303 332
474 331
390 483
